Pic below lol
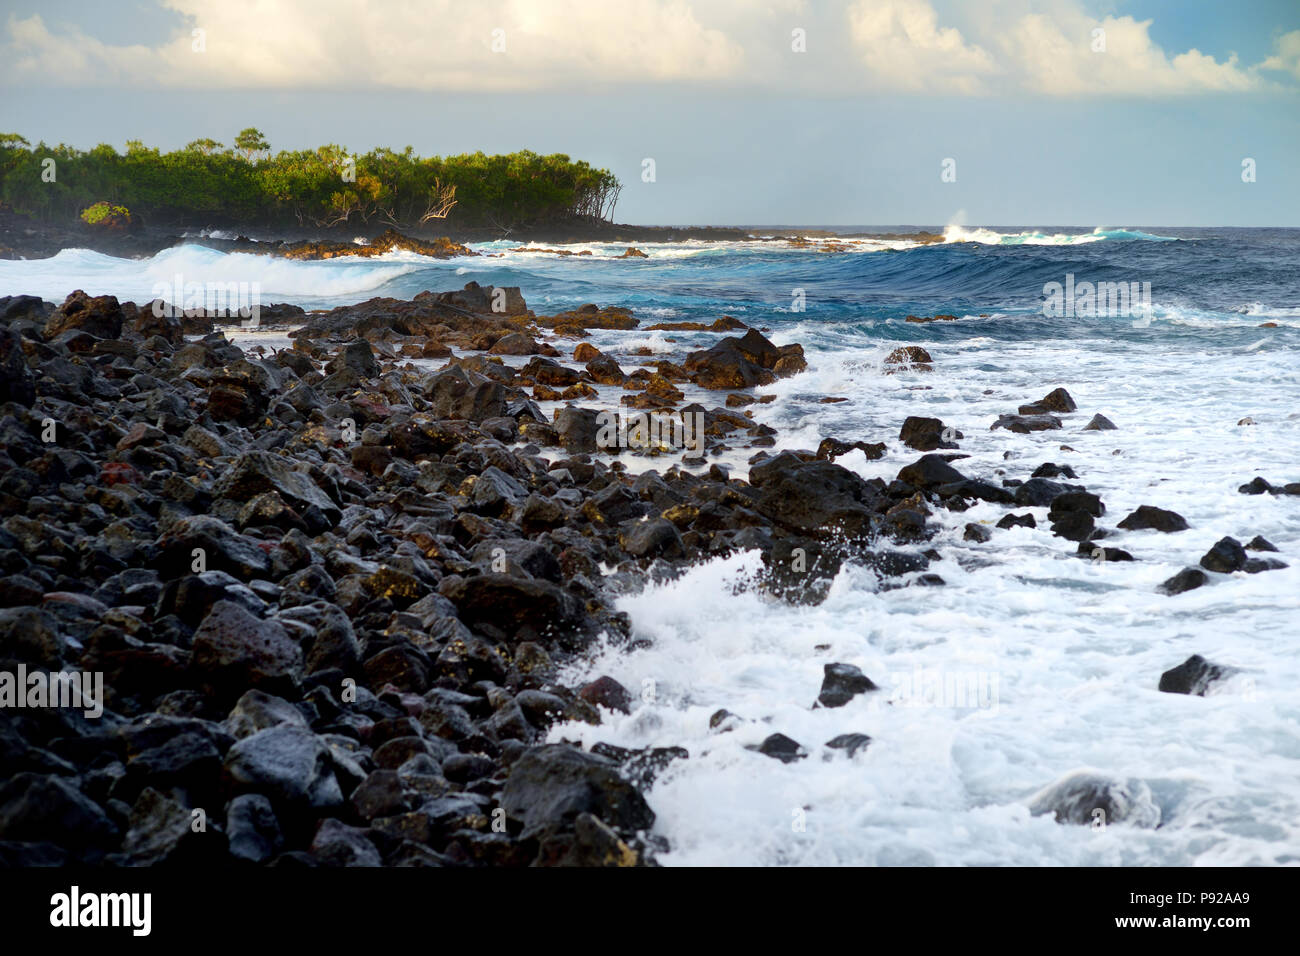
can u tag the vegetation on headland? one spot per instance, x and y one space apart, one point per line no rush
208 183
106 216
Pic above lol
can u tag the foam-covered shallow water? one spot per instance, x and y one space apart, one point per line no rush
1064 653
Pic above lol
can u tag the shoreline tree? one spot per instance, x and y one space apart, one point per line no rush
205 184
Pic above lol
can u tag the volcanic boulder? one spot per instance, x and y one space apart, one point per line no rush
744 362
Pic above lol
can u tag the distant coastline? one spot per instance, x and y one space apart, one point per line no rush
24 237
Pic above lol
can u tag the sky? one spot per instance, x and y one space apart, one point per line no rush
753 112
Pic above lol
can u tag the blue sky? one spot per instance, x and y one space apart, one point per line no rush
1044 127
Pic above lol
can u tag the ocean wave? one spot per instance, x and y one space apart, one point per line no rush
993 238
1260 310
136 279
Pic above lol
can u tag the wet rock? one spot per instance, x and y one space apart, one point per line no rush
1099 423
381 794
1187 579
577 429
592 844
743 362
234 650
782 748
807 497
930 471
39 808
1256 565
215 543
605 371
1088 798
722 721
17 382
1024 424
335 644
257 472
641 766
1039 493
1074 526
539 514
257 710
519 609
926 434
25 308
1193 676
515 343
909 357
496 492
405 667
1076 501
832 448
850 743
841 683
162 832
530 557
607 692
337 844
481 300
977 533
453 393
1052 470
1226 556
357 356
100 316
466 768
1090 549
188 759
157 318
550 785
287 764
655 538
32 635
1057 400
1147 517
1259 543
1257 486
252 828
1017 521
392 754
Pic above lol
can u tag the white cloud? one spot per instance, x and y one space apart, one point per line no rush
1059 56
1287 57
854 46
436 44
902 45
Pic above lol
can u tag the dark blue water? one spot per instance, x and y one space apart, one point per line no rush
1239 277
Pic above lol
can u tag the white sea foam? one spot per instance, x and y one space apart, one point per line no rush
992 237
280 279
1076 647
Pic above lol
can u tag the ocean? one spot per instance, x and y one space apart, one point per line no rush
1030 662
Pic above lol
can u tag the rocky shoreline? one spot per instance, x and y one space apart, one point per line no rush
332 590
22 237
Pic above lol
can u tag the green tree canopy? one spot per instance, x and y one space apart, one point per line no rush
205 184
251 143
